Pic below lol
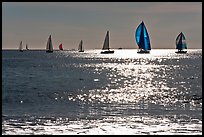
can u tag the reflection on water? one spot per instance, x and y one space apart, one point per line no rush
131 125
120 93
159 78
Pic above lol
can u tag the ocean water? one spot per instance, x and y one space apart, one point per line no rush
67 92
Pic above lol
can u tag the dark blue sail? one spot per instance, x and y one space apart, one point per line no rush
142 37
181 42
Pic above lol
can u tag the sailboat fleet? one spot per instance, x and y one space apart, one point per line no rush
141 36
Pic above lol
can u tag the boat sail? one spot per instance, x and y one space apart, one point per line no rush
49 47
60 46
21 46
80 47
27 47
142 39
181 43
106 47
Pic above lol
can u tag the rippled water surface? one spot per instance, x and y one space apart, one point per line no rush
67 92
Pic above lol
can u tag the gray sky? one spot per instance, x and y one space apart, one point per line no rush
70 22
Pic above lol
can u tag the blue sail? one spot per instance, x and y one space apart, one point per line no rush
181 42
142 37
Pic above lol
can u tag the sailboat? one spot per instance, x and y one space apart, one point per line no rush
27 47
142 39
60 46
106 47
21 47
80 47
49 47
181 43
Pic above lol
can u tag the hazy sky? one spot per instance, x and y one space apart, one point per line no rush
70 22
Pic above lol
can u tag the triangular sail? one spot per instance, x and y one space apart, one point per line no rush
21 46
26 46
106 48
60 47
106 42
181 42
80 48
142 37
49 46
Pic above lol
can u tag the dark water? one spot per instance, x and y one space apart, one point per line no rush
67 92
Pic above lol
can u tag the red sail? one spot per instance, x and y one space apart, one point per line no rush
60 47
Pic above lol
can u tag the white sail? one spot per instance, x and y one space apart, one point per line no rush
21 46
106 42
49 47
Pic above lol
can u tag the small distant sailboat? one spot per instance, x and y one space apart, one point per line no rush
49 47
21 47
142 39
80 49
27 47
60 46
106 45
181 43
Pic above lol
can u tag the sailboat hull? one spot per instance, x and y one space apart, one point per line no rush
143 52
181 52
48 51
107 52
